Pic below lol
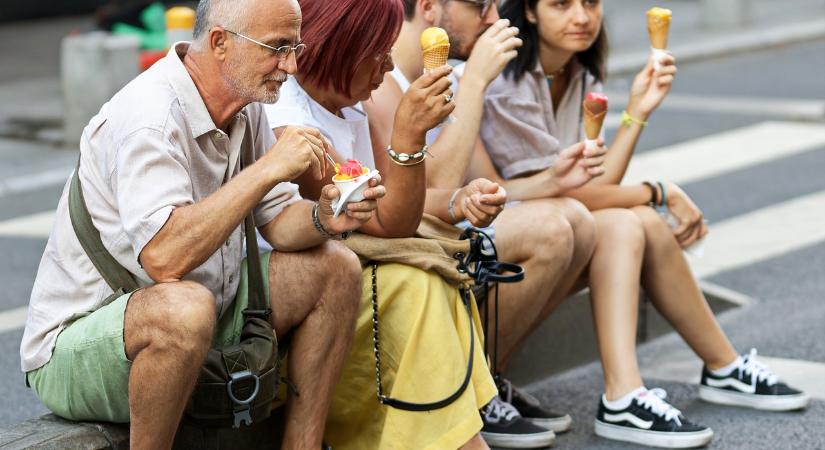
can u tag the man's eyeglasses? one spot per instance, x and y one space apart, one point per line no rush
281 52
483 5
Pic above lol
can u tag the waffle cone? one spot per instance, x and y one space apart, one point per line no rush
436 56
592 122
658 29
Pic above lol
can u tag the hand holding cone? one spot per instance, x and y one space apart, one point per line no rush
594 110
436 47
658 26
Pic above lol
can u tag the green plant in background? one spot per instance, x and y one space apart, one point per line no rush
153 34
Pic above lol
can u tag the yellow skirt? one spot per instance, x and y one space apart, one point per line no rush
424 336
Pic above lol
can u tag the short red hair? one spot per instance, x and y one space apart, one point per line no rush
342 34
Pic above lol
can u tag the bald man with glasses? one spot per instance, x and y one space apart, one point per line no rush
160 170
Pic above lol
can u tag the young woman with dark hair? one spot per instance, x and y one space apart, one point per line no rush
532 112
424 324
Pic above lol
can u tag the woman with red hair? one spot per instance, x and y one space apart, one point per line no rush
424 341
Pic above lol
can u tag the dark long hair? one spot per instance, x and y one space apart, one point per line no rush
593 59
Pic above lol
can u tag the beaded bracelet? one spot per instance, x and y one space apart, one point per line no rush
628 120
406 159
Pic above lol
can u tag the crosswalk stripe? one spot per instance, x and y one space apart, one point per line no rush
785 108
32 226
726 152
32 182
13 319
763 234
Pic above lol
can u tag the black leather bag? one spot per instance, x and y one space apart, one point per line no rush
236 384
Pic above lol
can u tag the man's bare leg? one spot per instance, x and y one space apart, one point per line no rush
553 240
167 331
666 276
614 295
315 297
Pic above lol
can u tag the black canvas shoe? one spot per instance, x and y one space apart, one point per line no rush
505 428
531 409
751 385
650 420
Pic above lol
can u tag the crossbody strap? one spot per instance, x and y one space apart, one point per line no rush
119 279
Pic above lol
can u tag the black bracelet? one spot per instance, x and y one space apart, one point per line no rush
663 198
654 194
316 222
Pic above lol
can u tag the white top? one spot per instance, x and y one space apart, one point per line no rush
349 135
152 148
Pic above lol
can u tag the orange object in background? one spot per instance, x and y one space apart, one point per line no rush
149 57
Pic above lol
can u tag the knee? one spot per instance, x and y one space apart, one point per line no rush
582 223
341 271
656 229
549 235
184 316
621 226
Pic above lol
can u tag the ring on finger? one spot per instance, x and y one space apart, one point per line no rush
448 98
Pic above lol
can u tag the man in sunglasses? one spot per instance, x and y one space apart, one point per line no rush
160 170
552 244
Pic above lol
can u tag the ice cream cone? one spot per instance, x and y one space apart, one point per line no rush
435 45
658 26
594 110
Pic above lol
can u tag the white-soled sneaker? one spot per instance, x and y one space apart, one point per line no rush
752 385
650 420
505 428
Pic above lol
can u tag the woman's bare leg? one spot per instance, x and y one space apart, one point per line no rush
673 290
614 292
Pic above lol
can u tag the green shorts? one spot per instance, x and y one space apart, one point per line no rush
87 377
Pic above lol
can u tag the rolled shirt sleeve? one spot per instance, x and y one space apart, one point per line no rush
150 180
516 137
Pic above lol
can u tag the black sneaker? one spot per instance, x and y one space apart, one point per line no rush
504 427
751 385
650 420
531 409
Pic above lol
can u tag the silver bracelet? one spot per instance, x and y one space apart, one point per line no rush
407 159
316 222
451 206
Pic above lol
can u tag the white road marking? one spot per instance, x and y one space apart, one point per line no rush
32 226
27 183
685 367
13 319
763 234
785 108
725 152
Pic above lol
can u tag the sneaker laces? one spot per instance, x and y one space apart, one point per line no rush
654 399
757 370
498 410
506 388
